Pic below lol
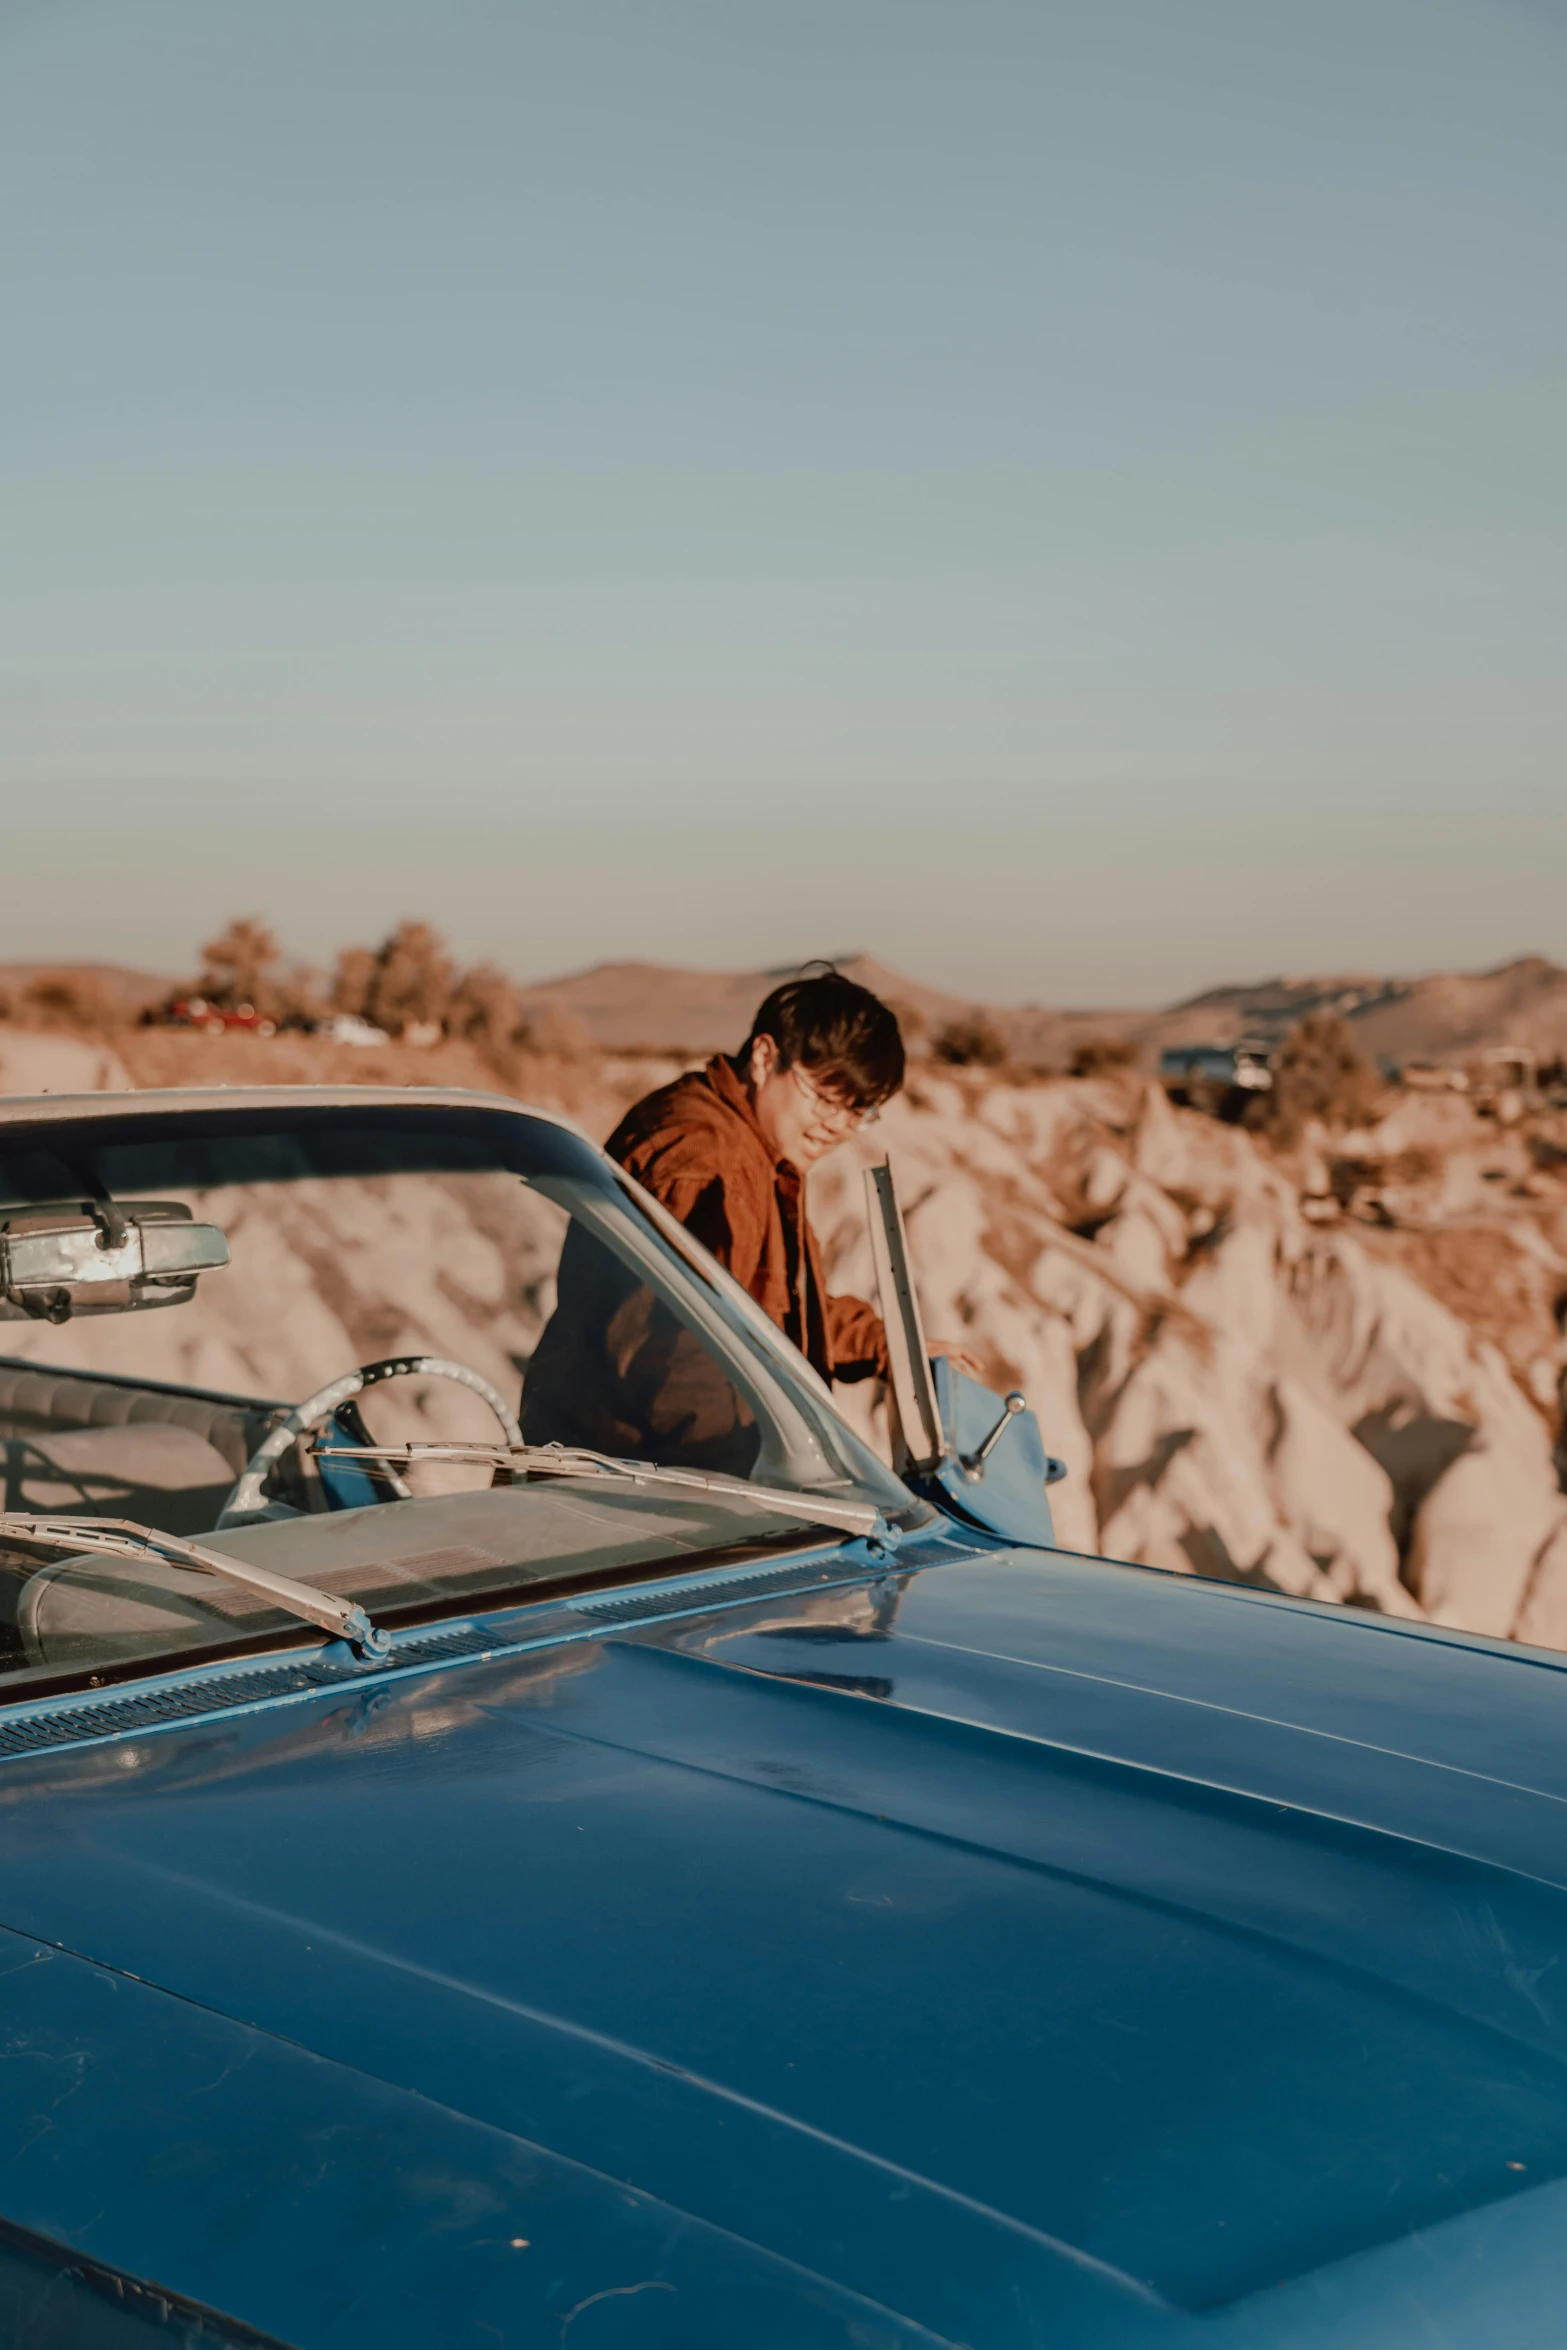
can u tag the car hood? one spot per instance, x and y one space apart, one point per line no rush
1033 1948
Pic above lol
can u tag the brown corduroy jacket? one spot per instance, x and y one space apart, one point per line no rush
697 1147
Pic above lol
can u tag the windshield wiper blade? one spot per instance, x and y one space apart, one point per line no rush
572 1460
123 1538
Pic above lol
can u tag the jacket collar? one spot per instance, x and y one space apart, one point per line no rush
726 1081
724 1076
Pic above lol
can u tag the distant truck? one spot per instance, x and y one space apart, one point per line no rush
1218 1078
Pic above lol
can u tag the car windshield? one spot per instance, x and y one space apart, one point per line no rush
178 1281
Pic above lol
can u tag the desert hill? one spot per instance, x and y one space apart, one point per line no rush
124 987
1454 1014
1267 1009
1450 1015
657 1007
660 1007
641 1007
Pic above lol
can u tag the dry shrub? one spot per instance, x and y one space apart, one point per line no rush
558 1034
1349 1176
485 1009
1317 1073
1102 1056
76 1000
973 1041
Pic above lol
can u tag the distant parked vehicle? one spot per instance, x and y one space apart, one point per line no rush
195 1011
1220 1079
348 1028
1507 1065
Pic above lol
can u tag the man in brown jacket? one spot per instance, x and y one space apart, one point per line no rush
726 1150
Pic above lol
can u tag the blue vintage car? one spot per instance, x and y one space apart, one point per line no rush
549 1842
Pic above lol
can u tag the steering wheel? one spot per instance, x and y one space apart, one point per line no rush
246 1497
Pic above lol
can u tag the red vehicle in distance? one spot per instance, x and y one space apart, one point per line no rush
195 1011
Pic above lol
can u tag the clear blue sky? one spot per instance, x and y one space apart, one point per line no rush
1068 495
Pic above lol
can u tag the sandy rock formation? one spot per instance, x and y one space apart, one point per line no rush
1468 1454
1246 1383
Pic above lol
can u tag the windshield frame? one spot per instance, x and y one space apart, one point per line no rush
749 1341
822 1453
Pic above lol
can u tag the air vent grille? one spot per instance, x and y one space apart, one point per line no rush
693 1595
932 1551
439 1647
113 1717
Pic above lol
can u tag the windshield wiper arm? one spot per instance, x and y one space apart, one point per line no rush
122 1538
572 1460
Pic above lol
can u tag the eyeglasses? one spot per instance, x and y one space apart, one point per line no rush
838 1117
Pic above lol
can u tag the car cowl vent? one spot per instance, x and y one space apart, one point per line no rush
690 1598
113 1717
937 1550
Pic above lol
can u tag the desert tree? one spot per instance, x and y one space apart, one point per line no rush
411 985
240 966
352 977
298 998
1317 1073
486 1011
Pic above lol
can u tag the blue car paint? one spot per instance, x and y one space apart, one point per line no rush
214 2148
983 1947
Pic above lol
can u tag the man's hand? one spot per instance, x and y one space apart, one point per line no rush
959 1357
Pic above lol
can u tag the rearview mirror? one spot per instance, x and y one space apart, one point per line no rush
101 1258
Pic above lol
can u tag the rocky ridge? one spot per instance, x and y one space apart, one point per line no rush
1451 1017
1248 1375
1447 1016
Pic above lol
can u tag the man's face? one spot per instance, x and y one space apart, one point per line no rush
797 1111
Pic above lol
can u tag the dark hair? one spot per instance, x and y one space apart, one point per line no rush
837 1029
